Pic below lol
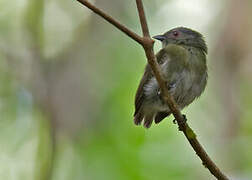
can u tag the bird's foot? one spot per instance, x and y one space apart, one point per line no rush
184 121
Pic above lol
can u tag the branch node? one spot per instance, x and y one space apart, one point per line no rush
147 42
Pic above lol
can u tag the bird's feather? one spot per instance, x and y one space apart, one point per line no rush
160 116
139 98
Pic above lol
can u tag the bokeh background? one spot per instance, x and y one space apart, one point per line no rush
67 86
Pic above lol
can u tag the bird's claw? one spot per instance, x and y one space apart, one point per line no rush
184 117
184 121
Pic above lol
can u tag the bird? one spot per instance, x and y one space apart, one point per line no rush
183 64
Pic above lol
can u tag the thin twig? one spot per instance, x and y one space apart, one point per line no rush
142 18
113 21
147 44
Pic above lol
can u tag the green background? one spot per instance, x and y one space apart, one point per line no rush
67 86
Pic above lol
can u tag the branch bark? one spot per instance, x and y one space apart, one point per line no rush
147 44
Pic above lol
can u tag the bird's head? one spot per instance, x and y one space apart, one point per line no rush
183 36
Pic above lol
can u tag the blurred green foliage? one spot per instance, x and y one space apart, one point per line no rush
65 72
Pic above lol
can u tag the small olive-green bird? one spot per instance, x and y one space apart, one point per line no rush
183 63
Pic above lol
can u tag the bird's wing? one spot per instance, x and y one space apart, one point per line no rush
172 59
139 98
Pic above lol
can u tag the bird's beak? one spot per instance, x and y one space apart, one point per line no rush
159 37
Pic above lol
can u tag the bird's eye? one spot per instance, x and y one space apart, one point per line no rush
175 33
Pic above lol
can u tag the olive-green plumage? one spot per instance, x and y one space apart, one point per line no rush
183 63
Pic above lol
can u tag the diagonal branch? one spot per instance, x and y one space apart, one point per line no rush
147 44
113 21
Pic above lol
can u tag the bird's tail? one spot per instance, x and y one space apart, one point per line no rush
160 116
138 117
148 118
